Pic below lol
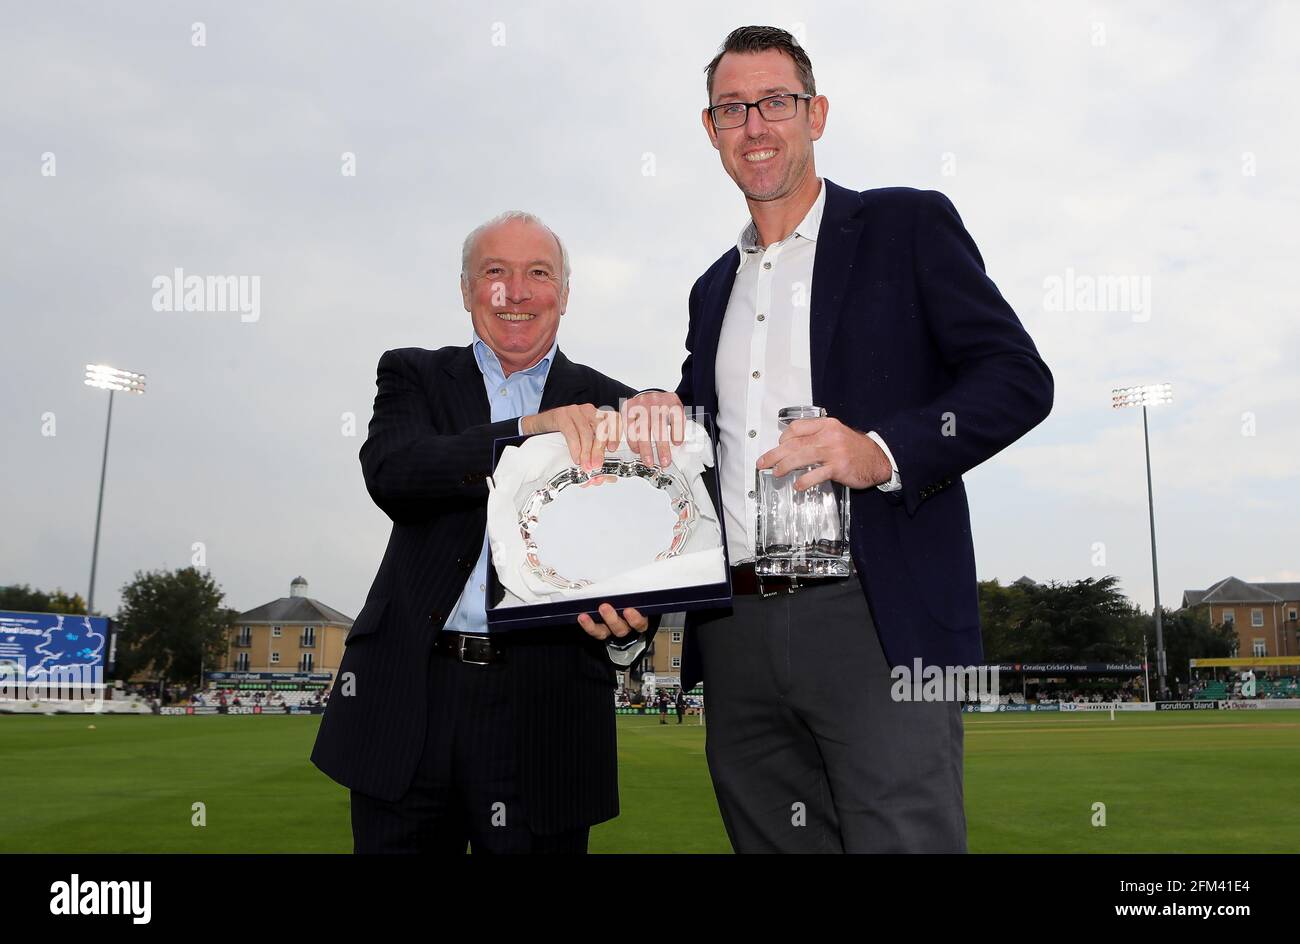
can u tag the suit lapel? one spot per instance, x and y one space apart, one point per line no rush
565 384
837 246
714 310
468 395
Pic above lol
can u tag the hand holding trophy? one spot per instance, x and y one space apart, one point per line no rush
655 422
589 432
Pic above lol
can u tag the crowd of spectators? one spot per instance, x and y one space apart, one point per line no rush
234 698
1081 696
1266 686
631 698
215 696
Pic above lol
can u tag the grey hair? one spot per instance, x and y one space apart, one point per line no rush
506 217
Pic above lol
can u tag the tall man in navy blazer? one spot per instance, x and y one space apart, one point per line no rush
875 306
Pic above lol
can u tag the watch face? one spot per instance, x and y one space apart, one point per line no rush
581 527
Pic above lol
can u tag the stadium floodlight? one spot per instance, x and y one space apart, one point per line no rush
111 379
1145 396
1149 395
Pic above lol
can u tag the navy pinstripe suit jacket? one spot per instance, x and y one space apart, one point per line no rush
426 457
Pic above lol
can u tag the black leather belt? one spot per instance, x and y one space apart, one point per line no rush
480 649
474 649
744 582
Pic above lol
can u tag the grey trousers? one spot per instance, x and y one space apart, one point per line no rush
807 751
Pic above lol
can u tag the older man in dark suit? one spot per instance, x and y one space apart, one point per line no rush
448 734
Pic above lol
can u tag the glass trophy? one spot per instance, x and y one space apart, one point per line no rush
801 533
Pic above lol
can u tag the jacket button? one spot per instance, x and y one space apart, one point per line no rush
436 619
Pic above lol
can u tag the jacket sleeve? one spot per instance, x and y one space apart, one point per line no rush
684 391
1001 388
409 467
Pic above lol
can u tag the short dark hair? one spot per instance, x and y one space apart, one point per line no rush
759 39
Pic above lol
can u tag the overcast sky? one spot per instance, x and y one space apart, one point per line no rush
1154 141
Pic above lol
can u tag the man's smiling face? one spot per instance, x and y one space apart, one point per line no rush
514 291
766 159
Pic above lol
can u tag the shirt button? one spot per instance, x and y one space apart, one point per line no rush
502 391
762 317
751 494
767 265
753 433
755 375
482 587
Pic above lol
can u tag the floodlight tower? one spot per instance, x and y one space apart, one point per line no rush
1144 396
112 380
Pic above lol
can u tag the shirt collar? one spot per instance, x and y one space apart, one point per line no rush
490 365
807 228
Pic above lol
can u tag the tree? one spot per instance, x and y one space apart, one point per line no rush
1189 635
1001 611
1087 620
171 623
26 599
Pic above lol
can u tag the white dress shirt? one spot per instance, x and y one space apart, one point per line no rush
764 363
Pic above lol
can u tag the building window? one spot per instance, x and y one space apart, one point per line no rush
1260 649
241 663
677 662
1256 617
275 631
1291 615
275 658
307 662
1230 617
245 638
308 636
677 635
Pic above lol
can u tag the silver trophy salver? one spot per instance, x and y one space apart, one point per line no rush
805 533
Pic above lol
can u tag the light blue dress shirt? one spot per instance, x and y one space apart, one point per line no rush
519 395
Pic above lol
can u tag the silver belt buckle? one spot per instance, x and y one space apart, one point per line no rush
464 644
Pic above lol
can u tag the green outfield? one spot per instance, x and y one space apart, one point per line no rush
1204 782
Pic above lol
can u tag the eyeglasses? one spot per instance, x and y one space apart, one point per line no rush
773 108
